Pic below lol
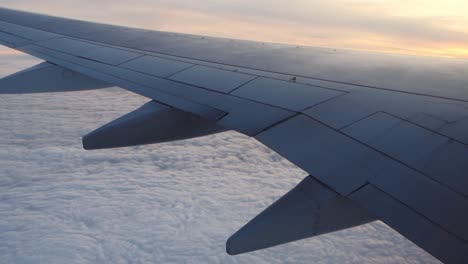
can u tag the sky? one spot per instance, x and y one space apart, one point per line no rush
422 27
179 202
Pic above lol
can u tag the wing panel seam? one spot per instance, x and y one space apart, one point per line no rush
47 57
175 81
420 214
425 128
384 155
302 76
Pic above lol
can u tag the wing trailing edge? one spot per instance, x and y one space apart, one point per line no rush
45 78
149 124
310 209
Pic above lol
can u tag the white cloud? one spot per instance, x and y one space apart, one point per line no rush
169 203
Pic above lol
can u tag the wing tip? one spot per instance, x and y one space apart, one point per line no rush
230 249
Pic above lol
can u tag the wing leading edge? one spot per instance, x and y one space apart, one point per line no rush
378 145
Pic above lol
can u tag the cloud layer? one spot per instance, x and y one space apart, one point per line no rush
169 203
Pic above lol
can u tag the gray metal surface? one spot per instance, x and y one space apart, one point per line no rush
412 225
46 78
288 95
116 79
332 157
90 51
213 79
308 210
435 76
25 32
457 129
251 118
444 116
155 66
154 85
149 124
361 103
425 196
12 40
435 155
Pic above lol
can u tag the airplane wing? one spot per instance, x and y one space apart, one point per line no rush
383 137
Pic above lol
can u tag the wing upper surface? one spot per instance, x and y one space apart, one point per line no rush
402 141
426 75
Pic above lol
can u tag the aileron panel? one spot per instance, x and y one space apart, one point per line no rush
415 227
435 155
427 197
288 95
251 118
213 79
90 51
331 157
155 66
12 40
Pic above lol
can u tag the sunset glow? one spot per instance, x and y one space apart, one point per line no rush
436 28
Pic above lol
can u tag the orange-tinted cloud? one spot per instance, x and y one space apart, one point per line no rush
5 51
